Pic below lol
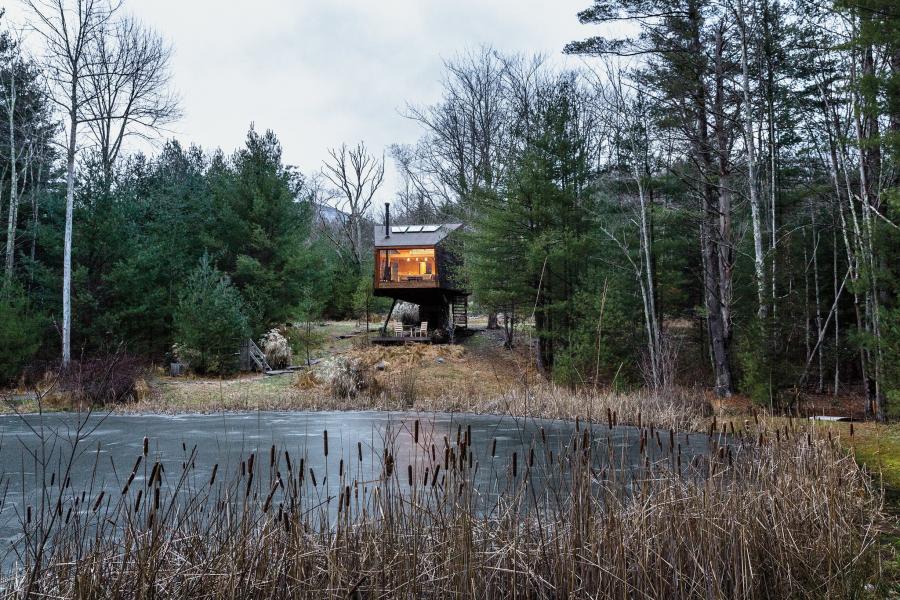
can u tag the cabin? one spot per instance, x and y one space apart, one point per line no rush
416 263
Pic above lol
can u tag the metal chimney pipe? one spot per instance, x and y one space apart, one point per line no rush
387 219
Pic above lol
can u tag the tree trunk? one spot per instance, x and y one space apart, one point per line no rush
13 181
753 183
67 240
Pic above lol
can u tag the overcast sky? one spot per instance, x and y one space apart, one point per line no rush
322 72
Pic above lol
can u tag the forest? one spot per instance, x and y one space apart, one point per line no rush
712 201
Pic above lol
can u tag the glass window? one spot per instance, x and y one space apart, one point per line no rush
407 265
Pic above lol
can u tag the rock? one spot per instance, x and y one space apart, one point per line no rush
440 360
380 365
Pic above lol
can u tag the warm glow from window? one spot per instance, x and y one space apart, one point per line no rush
407 265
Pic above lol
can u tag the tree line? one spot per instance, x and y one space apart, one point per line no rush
712 200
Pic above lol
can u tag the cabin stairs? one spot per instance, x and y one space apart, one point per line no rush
460 310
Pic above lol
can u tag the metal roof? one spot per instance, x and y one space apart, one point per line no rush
413 235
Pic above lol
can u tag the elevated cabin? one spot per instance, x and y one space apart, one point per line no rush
415 263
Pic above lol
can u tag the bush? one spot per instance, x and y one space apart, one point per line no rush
20 332
407 313
277 350
209 322
100 381
347 377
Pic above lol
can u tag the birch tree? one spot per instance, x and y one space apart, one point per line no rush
68 28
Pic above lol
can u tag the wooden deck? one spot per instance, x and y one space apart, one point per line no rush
394 340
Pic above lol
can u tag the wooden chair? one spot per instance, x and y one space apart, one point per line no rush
398 329
423 330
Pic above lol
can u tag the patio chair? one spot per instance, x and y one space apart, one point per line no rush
423 330
398 329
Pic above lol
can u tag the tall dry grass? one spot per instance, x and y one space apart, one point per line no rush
764 513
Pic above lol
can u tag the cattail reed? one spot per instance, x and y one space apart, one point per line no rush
325 441
146 446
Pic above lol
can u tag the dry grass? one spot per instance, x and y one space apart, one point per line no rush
776 513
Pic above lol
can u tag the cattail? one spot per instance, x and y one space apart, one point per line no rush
312 476
543 437
250 462
341 468
272 456
268 501
851 430
359 450
437 470
347 495
514 464
468 435
494 448
137 501
146 445
409 474
212 478
155 474
287 460
156 499
416 432
325 441
28 517
53 475
531 456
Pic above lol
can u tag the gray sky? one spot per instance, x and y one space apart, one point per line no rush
322 72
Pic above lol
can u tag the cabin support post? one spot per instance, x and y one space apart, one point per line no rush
387 319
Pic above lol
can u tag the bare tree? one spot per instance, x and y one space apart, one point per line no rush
631 127
128 91
752 170
68 29
356 176
10 98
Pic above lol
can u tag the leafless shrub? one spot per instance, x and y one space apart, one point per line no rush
407 313
109 379
666 365
277 349
346 377
406 387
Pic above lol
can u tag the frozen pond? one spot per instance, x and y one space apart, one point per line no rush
108 447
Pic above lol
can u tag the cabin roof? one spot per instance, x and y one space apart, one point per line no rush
413 235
